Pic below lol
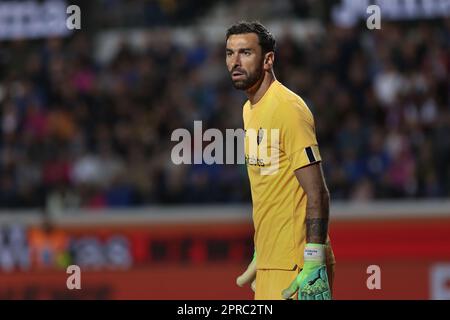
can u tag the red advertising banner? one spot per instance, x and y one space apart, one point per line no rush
201 261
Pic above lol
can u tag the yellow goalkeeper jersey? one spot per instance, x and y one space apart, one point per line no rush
280 138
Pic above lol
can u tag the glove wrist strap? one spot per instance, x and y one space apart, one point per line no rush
314 252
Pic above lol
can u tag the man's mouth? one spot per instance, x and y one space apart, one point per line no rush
237 74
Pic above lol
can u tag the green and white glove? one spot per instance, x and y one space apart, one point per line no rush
249 275
312 282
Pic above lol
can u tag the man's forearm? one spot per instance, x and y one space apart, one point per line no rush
317 216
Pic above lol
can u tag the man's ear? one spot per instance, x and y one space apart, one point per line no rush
269 59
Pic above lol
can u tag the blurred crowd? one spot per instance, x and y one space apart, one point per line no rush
77 133
380 100
132 13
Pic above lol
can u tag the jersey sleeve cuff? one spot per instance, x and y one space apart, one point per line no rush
304 157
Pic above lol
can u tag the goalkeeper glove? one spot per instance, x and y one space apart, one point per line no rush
249 275
312 281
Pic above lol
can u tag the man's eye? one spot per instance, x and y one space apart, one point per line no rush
247 53
229 54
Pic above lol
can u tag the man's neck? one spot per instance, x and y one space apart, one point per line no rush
255 93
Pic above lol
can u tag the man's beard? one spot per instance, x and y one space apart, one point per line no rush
249 81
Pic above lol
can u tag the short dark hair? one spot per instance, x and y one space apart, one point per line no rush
266 40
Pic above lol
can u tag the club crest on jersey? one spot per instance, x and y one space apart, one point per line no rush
260 136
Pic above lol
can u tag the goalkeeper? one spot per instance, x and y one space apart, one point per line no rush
293 256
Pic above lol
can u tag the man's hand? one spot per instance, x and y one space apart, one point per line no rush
249 275
312 282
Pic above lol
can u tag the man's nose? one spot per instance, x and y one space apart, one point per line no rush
236 62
